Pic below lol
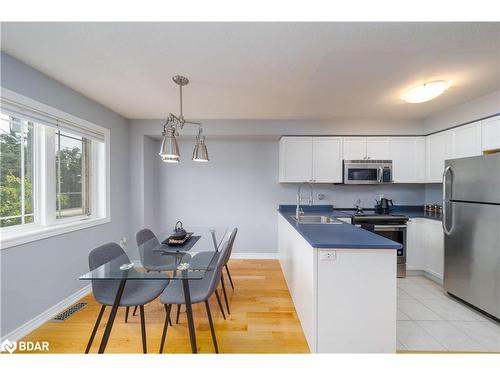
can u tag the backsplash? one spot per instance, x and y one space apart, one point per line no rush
433 193
345 196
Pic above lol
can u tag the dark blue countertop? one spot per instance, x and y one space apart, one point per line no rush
335 236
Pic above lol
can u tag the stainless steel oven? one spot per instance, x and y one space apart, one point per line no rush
360 172
392 227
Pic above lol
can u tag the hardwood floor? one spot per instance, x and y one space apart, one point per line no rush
262 320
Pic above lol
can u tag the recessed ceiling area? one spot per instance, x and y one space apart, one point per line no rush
263 70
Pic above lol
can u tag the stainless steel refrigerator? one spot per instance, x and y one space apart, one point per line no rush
471 224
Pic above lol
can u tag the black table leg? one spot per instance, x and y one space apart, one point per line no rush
112 315
189 313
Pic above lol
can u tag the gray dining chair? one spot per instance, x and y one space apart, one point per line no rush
232 236
200 291
226 260
229 256
147 242
136 292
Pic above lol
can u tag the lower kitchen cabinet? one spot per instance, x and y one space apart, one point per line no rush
425 247
345 299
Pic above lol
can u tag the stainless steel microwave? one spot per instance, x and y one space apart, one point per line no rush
361 172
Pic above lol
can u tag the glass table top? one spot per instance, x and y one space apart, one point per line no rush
159 261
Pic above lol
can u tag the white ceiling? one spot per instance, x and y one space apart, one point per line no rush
263 70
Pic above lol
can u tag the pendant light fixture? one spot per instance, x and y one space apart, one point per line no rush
169 150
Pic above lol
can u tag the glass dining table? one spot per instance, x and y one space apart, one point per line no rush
156 259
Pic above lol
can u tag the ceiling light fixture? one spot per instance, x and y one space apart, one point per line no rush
169 150
425 92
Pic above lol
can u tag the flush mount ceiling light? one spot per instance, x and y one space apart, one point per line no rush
169 150
425 92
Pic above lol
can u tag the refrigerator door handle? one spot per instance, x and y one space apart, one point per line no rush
445 200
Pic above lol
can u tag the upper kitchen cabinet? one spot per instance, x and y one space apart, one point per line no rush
438 149
311 159
408 159
491 133
296 159
327 159
356 148
466 140
378 148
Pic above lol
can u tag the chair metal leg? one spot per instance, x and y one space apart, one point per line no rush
225 294
178 314
212 330
135 311
229 275
220 305
143 329
126 314
165 326
112 315
189 313
96 326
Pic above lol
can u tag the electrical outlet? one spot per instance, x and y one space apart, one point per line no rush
330 255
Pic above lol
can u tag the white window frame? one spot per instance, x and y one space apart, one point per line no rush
45 224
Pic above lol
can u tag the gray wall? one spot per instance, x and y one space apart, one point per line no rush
239 187
38 275
481 107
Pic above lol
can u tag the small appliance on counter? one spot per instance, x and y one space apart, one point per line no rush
384 206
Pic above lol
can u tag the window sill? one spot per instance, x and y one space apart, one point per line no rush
11 238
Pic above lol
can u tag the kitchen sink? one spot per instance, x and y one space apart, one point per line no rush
317 220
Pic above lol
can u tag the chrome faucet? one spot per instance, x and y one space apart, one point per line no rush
357 205
298 211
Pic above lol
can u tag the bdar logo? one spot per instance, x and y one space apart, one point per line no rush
8 346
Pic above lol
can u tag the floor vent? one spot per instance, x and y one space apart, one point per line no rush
69 311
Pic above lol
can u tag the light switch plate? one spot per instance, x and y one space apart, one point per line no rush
330 255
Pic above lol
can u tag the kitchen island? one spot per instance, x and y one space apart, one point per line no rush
342 280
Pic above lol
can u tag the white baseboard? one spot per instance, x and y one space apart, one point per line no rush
434 276
45 316
254 256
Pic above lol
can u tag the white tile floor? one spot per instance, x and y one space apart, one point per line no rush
429 320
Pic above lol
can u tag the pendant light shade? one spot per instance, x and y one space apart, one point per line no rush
169 147
200 152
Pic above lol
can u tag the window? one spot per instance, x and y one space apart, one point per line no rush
72 175
16 171
54 171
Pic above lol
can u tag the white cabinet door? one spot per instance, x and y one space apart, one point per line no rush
354 148
327 159
491 133
438 150
408 159
296 159
415 252
433 245
378 148
466 140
